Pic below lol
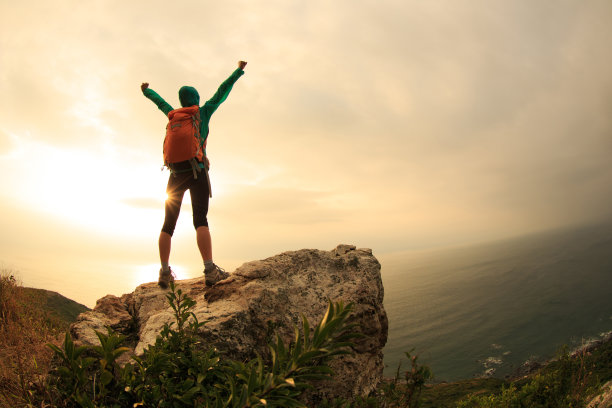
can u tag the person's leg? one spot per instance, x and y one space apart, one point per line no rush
204 243
175 191
165 241
199 205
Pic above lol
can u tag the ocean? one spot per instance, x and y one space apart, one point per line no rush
487 309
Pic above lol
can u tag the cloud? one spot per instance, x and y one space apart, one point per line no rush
6 143
476 110
391 124
293 206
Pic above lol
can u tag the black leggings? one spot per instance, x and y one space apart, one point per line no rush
198 190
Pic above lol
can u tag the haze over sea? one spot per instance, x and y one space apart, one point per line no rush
494 306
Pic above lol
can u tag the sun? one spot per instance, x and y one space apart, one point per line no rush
100 192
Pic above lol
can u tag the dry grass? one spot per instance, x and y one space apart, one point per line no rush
25 329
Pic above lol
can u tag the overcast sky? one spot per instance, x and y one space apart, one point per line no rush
394 125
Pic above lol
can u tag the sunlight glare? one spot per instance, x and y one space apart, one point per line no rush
90 188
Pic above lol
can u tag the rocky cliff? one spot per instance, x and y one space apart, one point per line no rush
261 297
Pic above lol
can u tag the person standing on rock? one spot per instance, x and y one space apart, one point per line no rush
187 174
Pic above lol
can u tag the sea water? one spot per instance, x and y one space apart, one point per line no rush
485 310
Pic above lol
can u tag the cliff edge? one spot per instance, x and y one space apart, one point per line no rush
261 298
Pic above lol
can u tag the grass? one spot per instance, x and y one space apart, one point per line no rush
26 326
446 395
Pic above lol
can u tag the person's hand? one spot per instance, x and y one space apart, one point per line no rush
241 64
144 86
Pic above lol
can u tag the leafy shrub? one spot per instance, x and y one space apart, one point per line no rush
177 372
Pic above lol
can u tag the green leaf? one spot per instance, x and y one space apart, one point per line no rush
106 377
330 309
58 351
323 369
306 329
86 362
309 355
64 371
252 382
298 346
119 351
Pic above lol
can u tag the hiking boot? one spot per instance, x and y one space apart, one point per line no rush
165 278
215 275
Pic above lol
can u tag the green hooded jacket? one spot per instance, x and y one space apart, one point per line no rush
188 96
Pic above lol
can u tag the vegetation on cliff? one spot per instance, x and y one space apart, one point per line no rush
570 380
174 372
26 326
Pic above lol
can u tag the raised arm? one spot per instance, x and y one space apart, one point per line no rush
162 105
213 103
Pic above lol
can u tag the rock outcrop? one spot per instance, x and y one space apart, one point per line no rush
604 399
258 296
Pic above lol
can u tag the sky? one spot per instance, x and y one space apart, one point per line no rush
393 125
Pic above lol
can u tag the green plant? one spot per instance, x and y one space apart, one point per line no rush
292 368
177 371
71 374
562 384
407 393
397 393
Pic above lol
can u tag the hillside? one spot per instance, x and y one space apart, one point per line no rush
572 379
29 320
65 309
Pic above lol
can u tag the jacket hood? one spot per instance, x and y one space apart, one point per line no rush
189 96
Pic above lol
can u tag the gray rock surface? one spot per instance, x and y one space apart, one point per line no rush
604 399
258 296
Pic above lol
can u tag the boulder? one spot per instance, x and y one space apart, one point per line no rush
264 297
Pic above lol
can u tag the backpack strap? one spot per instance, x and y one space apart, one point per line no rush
195 167
207 179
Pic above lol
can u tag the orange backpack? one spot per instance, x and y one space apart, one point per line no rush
182 141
